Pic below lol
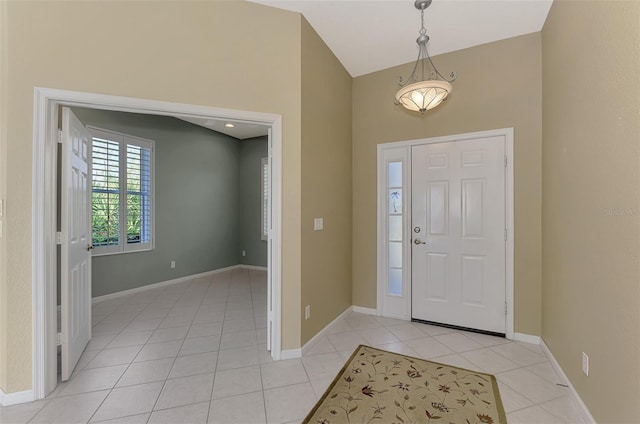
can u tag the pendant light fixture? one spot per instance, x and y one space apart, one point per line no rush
425 88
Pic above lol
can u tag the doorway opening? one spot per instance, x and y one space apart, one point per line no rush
47 103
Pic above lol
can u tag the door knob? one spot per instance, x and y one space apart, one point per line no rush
417 241
89 247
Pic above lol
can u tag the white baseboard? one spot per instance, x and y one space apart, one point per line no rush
7 399
556 366
290 354
320 334
366 311
98 299
526 338
254 267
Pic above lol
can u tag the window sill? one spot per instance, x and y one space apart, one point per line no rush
97 252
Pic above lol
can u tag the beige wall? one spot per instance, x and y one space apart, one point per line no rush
224 54
326 182
591 201
499 85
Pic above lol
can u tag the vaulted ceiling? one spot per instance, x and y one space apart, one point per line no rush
368 36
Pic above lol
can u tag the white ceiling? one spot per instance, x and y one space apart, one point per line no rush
368 36
240 130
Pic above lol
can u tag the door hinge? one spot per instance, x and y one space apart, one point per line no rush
505 234
505 161
59 237
59 339
60 136
505 308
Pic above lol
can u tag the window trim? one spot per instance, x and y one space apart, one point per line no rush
124 139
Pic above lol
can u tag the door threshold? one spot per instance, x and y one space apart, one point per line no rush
457 327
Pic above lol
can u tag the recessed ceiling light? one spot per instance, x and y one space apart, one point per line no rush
229 125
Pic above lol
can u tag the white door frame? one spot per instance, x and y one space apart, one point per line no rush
399 146
45 125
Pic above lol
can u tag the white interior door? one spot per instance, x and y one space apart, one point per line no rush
458 233
76 242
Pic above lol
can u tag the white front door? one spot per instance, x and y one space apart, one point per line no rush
458 233
76 242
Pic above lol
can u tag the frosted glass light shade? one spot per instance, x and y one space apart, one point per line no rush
424 95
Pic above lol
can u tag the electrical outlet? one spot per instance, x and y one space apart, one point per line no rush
244 253
318 224
585 364
307 312
173 264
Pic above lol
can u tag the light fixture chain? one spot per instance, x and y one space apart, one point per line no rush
423 30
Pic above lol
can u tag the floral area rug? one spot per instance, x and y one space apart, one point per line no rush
376 386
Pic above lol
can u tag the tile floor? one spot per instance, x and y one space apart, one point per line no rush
196 353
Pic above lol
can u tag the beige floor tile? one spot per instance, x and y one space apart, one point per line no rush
406 332
162 350
130 338
347 341
323 365
238 339
243 409
457 342
237 381
531 386
532 415
131 400
200 363
195 345
398 347
237 358
99 342
283 373
143 324
488 361
132 419
428 347
511 400
146 372
381 335
191 414
94 379
118 356
519 354
168 334
70 409
322 345
289 403
566 409
205 329
456 360
22 413
185 391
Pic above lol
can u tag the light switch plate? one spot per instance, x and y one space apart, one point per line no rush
318 224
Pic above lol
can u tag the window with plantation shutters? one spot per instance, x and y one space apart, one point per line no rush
265 198
121 192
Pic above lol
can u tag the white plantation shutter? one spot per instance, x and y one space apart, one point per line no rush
105 191
122 192
265 198
138 194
